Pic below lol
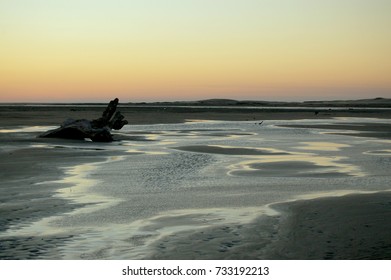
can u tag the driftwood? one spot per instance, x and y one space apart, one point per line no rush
97 130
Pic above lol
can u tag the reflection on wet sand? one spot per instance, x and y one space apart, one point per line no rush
138 239
295 166
322 146
362 129
26 129
269 162
231 150
379 152
78 181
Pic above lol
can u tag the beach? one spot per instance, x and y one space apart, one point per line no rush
197 183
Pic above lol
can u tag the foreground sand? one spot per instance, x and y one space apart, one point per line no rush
347 227
355 226
23 200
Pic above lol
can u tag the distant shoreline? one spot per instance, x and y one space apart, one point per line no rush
378 102
160 113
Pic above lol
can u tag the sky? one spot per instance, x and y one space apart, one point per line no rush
164 50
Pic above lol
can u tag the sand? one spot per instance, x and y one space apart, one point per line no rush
353 226
25 163
349 227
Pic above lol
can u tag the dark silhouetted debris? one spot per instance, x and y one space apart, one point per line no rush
97 130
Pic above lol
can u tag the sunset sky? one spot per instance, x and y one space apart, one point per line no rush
157 50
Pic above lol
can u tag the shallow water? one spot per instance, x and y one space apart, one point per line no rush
199 175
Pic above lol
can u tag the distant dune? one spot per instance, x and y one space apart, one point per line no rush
374 102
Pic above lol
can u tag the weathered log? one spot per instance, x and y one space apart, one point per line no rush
97 130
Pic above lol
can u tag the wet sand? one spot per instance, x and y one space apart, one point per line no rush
347 227
25 163
382 130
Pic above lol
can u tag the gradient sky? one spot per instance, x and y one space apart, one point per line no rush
156 50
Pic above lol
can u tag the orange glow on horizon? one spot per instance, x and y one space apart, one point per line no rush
248 50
